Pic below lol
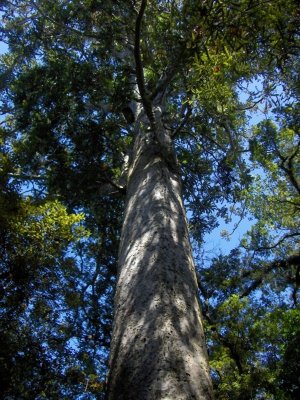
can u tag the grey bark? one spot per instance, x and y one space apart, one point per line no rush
158 348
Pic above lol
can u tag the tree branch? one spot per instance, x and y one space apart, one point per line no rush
25 177
290 235
163 83
293 260
139 68
182 123
237 358
289 170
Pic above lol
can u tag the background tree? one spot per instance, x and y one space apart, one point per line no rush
68 81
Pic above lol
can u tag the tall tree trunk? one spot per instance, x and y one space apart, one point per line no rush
158 348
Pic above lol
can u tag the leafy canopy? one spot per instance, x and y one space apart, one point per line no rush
67 81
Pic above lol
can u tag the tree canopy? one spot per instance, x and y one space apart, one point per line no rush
68 80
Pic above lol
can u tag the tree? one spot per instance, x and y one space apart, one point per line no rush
117 103
34 239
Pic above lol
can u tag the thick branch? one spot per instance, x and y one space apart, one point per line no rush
166 79
139 67
293 260
289 168
290 173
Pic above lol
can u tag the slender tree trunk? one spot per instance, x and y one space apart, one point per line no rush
158 348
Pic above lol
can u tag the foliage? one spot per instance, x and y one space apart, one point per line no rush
67 80
251 322
43 298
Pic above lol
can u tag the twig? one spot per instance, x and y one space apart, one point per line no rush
279 242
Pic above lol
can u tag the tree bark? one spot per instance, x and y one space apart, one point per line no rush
158 348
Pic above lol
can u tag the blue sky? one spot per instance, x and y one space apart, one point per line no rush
215 242
3 47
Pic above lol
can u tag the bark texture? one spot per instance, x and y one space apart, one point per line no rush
158 348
